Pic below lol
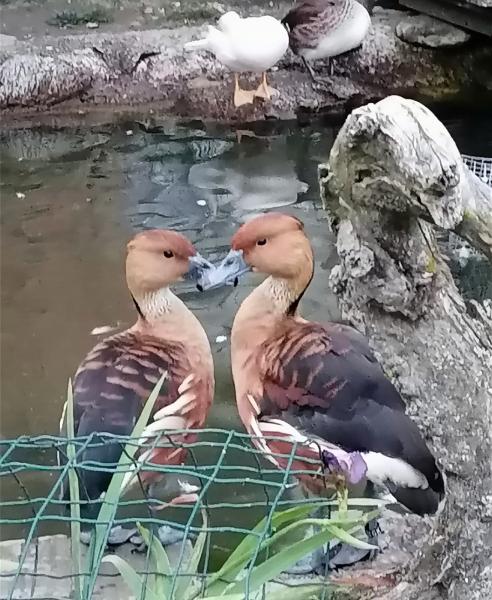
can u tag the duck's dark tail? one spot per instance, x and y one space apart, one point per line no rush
101 458
420 490
422 501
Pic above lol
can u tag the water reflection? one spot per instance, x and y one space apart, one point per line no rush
248 182
87 191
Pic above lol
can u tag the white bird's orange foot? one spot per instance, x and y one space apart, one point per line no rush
264 90
241 96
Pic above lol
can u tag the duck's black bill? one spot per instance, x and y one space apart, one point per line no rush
198 266
225 273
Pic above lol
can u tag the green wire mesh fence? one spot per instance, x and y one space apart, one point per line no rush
246 523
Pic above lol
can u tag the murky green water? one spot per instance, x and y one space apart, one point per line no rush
70 201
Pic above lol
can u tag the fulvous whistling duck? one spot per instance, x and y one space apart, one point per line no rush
117 376
319 384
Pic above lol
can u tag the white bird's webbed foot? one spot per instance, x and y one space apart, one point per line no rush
241 96
264 90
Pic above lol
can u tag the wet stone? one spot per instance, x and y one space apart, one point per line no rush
422 30
54 561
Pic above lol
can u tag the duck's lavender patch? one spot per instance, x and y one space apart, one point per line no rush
349 464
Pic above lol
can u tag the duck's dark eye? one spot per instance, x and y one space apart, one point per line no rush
261 242
168 254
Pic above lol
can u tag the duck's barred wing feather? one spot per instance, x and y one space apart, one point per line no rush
310 20
116 378
111 387
310 365
326 382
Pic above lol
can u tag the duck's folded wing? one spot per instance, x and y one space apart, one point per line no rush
117 377
308 364
306 22
326 383
110 388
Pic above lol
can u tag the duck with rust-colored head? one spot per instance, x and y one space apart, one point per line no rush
116 377
318 384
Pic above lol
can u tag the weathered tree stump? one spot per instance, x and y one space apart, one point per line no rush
394 174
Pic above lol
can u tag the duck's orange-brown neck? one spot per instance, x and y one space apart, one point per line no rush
165 316
257 319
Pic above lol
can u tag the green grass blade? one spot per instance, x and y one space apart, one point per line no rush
299 592
111 498
289 520
73 481
185 581
163 579
243 552
344 536
228 597
280 562
283 560
132 579
373 502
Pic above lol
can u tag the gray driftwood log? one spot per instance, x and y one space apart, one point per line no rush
394 174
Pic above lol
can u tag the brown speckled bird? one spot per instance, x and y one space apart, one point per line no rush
317 384
321 29
117 376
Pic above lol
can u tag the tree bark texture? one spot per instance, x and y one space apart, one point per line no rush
393 176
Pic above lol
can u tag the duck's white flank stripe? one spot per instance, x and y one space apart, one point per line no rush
166 420
130 477
381 469
181 406
186 384
163 425
255 406
256 428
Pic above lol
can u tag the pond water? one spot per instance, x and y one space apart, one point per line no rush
72 198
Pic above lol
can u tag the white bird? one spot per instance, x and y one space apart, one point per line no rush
252 44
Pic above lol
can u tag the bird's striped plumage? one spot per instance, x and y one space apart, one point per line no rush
325 28
319 384
114 381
